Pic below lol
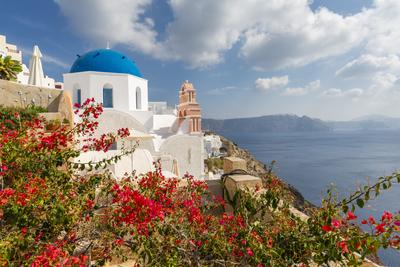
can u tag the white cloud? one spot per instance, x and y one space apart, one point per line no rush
382 22
367 65
354 93
270 34
384 81
120 22
46 58
299 91
55 61
317 35
268 84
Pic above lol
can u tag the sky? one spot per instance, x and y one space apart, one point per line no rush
328 59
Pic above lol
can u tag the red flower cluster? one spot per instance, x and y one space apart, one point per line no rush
133 208
54 255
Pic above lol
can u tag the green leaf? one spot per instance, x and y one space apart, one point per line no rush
360 203
345 208
377 188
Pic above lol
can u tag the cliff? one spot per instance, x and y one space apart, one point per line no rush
257 168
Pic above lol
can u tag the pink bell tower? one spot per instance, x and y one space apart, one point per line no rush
188 108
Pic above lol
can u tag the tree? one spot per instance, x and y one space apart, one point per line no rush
9 68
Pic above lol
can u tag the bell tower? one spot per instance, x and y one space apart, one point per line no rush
188 108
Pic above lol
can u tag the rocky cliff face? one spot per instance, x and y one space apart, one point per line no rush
258 168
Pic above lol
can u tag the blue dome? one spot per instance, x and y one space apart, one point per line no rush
105 60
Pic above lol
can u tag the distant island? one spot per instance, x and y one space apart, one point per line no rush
270 123
294 123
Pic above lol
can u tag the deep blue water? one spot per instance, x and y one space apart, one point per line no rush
313 160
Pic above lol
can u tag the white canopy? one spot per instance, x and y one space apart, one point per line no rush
36 75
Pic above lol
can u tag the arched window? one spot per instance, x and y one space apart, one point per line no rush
77 94
138 98
108 96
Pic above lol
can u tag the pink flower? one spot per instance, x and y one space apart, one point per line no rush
336 223
397 223
371 220
24 230
351 216
343 246
386 216
380 228
249 252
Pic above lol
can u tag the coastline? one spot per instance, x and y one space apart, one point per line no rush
257 168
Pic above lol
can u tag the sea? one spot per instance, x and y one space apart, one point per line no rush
314 161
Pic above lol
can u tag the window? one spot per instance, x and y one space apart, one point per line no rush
108 96
79 96
138 98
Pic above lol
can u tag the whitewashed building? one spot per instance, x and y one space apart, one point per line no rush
26 77
212 145
113 79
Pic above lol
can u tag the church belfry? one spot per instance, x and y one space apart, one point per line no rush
188 108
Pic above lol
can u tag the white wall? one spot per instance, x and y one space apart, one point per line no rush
163 121
188 150
23 76
134 83
141 161
124 88
112 120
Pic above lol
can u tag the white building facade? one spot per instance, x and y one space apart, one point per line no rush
114 80
24 77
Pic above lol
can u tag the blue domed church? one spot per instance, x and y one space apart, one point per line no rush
170 135
111 78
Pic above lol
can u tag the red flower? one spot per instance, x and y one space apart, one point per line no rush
387 216
119 241
351 216
397 223
371 220
364 222
336 223
24 230
343 246
380 228
327 228
249 252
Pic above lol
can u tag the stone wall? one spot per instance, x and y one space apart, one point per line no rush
13 94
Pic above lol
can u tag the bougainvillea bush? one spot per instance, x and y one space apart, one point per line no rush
54 212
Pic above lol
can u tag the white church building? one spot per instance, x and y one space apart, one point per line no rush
172 136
